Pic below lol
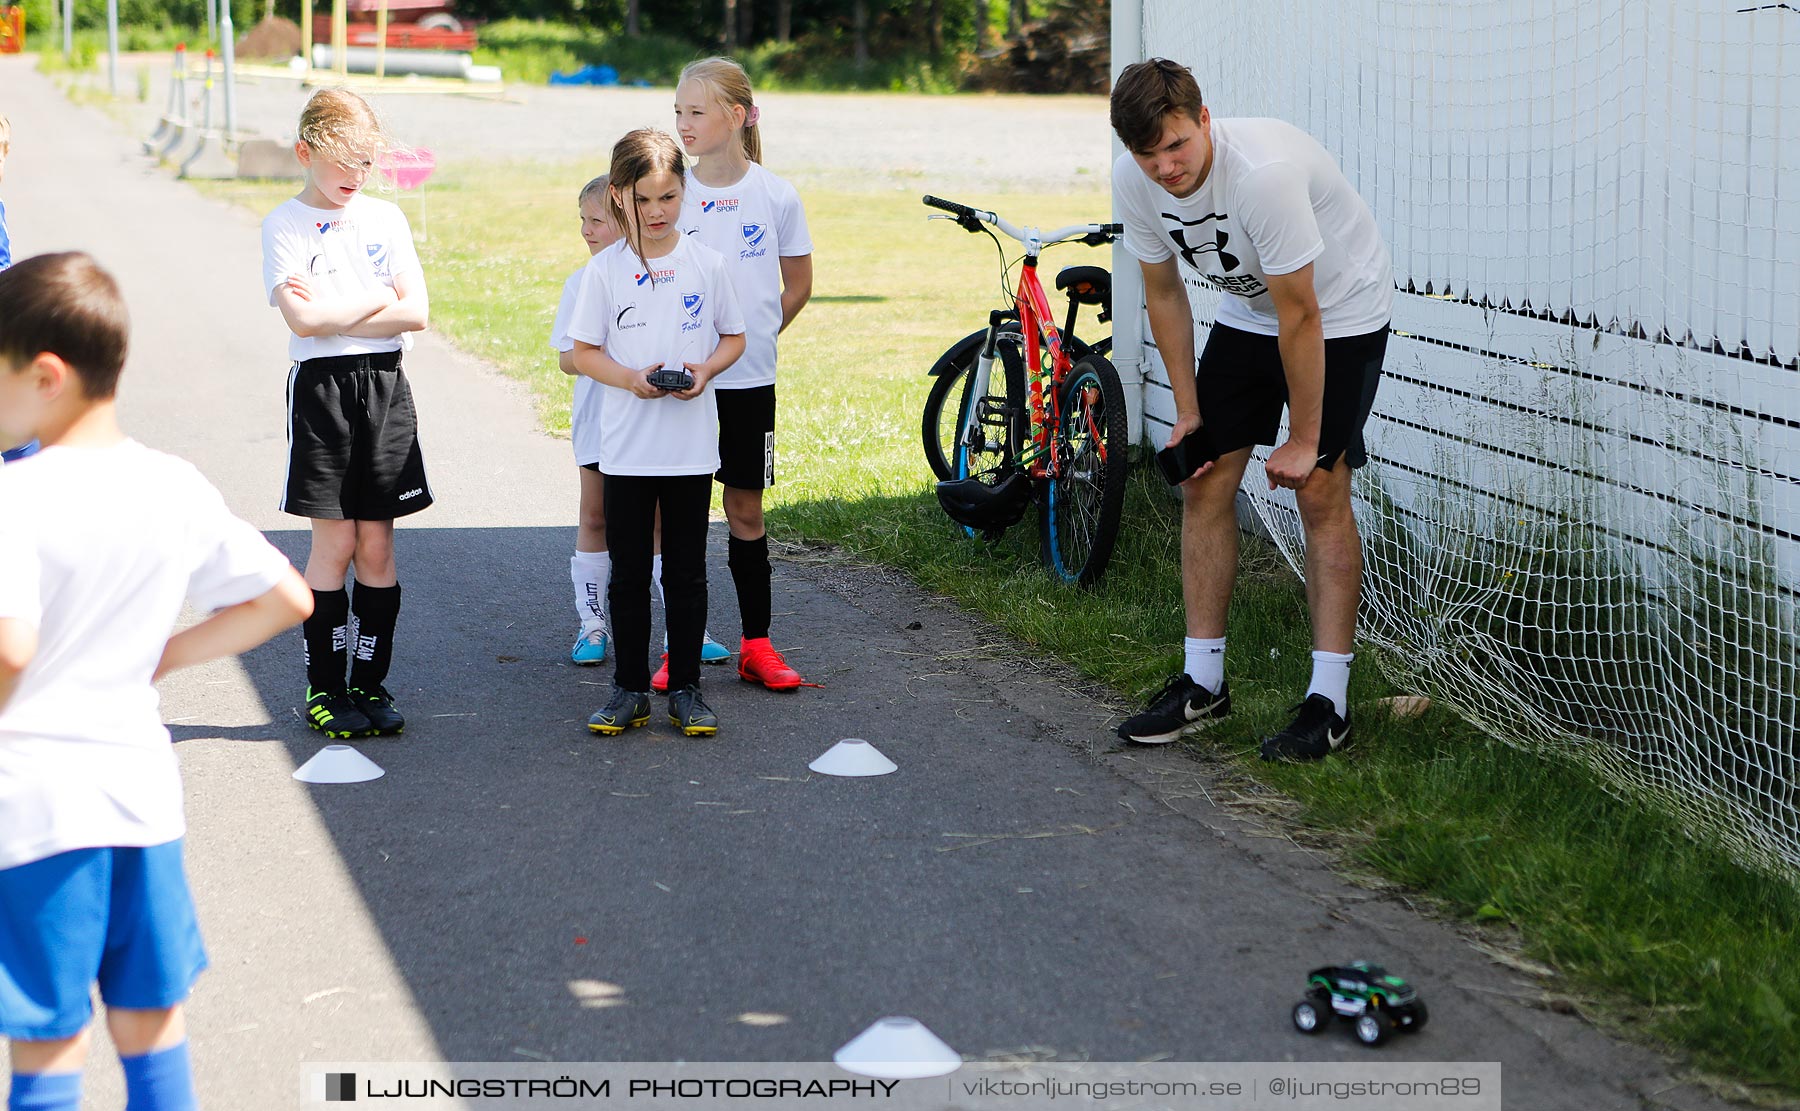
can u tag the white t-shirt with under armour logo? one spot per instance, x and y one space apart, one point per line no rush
1273 201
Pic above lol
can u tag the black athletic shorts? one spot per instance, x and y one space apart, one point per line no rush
747 437
353 440
1242 389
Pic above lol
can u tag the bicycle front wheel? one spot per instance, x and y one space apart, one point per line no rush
1079 515
947 405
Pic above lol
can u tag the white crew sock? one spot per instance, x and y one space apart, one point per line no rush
1331 678
591 573
1205 661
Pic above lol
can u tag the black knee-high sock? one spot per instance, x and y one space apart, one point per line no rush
327 636
377 608
749 563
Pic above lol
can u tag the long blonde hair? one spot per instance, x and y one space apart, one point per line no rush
639 154
726 83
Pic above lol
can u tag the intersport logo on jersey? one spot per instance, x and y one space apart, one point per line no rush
722 205
655 277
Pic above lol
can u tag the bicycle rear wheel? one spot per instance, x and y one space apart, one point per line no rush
1079 515
947 405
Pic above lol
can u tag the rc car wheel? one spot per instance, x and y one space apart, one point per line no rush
1420 1014
1371 1029
1308 1019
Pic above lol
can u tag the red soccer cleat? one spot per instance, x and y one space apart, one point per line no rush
660 681
758 662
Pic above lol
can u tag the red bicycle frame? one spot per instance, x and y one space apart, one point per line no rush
1038 325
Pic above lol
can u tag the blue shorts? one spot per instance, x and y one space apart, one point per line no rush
121 917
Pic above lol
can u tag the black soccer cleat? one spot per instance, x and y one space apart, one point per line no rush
1181 707
378 706
336 714
1316 733
690 713
623 710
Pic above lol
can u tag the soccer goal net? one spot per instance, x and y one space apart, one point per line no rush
1581 518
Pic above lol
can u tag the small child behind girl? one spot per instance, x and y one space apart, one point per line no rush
342 269
590 570
754 219
655 300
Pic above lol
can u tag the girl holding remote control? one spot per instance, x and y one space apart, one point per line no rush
655 321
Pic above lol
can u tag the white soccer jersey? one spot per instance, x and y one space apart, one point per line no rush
98 549
584 408
753 224
1273 202
339 251
673 313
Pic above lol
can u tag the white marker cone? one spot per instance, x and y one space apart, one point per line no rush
338 764
853 756
897 1049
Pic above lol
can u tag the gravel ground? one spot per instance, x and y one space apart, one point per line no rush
856 140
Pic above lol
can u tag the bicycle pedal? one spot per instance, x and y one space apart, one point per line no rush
993 410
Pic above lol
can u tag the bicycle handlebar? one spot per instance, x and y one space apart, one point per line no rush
971 219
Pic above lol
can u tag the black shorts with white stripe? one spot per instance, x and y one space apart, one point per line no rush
353 440
747 437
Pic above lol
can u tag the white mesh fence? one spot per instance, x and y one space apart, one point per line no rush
1582 512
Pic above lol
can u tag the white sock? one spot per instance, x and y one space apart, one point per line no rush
590 572
656 579
1331 678
1205 661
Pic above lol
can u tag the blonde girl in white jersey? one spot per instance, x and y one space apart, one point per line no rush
755 220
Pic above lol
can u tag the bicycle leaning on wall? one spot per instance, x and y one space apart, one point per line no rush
1050 429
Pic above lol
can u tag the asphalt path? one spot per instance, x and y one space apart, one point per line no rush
515 889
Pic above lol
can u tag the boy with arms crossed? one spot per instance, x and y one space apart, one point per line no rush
342 268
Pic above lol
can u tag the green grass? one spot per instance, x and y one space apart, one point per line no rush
1649 931
529 51
89 44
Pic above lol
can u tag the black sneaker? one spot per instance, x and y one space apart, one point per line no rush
1317 732
335 714
690 713
378 706
624 710
1182 706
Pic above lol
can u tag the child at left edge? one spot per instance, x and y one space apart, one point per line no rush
9 453
101 540
5 149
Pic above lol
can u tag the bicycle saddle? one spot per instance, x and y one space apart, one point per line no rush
1087 285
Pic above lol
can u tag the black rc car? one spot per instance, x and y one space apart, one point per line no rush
1376 1003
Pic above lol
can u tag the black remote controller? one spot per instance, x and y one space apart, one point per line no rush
674 380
